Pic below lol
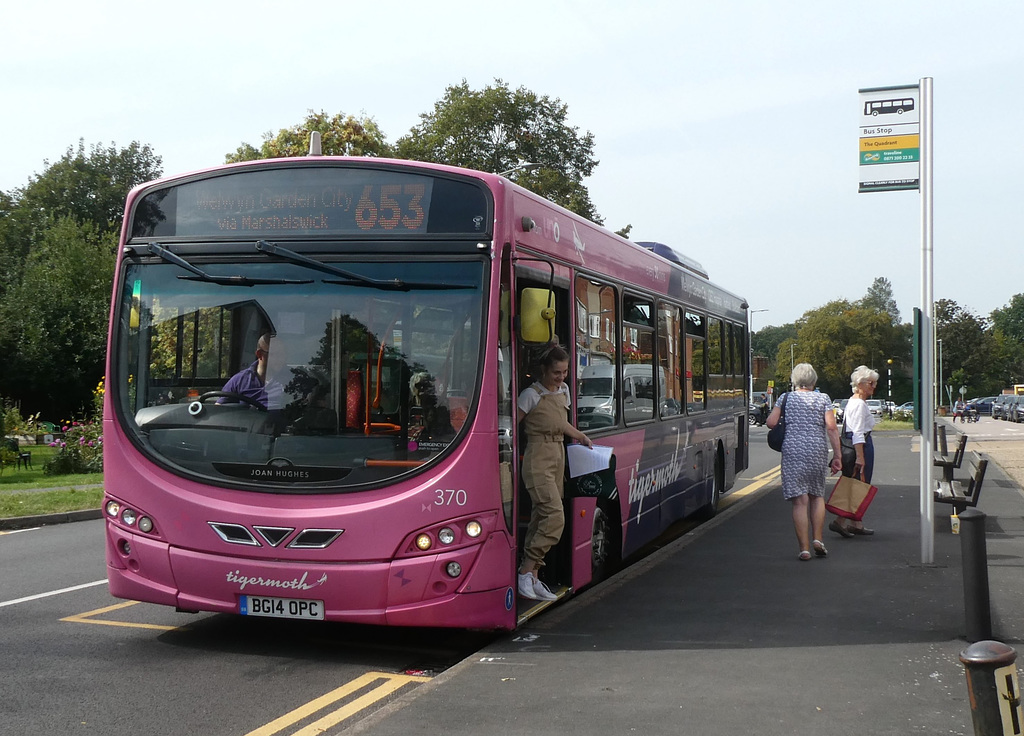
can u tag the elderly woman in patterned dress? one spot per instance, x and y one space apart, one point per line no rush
810 429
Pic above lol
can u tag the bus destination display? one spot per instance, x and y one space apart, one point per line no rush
310 201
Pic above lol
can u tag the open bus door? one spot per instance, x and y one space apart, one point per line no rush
543 317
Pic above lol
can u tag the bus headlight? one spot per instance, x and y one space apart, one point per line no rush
473 529
446 535
454 569
128 517
145 524
423 542
113 508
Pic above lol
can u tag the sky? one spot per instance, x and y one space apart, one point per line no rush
728 130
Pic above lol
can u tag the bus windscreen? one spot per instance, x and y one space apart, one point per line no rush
328 201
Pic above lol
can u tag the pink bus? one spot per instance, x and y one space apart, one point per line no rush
389 312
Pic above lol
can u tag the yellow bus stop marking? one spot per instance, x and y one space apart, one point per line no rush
391 684
88 618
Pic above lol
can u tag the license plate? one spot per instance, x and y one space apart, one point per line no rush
261 605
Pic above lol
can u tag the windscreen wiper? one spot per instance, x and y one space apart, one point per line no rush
350 278
201 275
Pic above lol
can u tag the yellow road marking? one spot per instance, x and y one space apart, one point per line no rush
87 618
759 482
391 684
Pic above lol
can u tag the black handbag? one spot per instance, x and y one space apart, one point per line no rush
849 454
777 434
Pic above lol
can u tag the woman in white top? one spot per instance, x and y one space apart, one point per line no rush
859 421
542 409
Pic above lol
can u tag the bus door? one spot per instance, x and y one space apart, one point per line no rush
541 318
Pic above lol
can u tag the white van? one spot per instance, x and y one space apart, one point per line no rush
596 395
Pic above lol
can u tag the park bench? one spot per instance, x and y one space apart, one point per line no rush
949 462
963 493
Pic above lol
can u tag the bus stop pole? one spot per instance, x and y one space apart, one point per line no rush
927 324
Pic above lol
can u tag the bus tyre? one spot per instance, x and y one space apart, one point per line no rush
717 483
603 550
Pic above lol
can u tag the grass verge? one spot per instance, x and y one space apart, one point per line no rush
33 503
20 494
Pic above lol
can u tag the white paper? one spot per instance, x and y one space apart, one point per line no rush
584 460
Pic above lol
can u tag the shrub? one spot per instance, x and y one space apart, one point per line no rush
81 450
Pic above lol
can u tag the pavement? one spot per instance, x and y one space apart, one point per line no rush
724 631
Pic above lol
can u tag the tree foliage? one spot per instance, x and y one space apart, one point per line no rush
838 337
967 345
58 236
87 185
1010 319
53 332
497 129
880 299
340 135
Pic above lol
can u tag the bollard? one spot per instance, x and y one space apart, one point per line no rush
975 570
993 689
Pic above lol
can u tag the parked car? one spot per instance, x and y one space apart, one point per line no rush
839 407
982 406
999 406
907 406
876 407
1015 409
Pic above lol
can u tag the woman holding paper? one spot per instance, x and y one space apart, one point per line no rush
542 409
859 421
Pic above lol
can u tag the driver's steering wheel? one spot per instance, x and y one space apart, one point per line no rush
233 396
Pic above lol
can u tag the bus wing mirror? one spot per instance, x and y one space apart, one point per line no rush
537 316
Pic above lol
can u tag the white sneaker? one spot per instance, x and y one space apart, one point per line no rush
526 588
542 592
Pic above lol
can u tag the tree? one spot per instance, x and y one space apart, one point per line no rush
53 323
90 187
87 186
967 345
497 129
340 135
766 341
58 236
880 299
1010 319
840 336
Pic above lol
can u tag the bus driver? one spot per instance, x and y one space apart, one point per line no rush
252 383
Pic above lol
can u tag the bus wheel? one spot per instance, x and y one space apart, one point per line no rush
603 552
717 483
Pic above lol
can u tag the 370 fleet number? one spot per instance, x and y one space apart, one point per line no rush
448 497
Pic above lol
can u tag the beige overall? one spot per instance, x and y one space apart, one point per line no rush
543 469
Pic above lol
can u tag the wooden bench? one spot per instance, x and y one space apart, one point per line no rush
948 462
963 493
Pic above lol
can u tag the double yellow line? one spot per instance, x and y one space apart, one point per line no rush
370 687
383 685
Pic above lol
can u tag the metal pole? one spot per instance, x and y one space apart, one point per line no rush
974 560
927 324
993 688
